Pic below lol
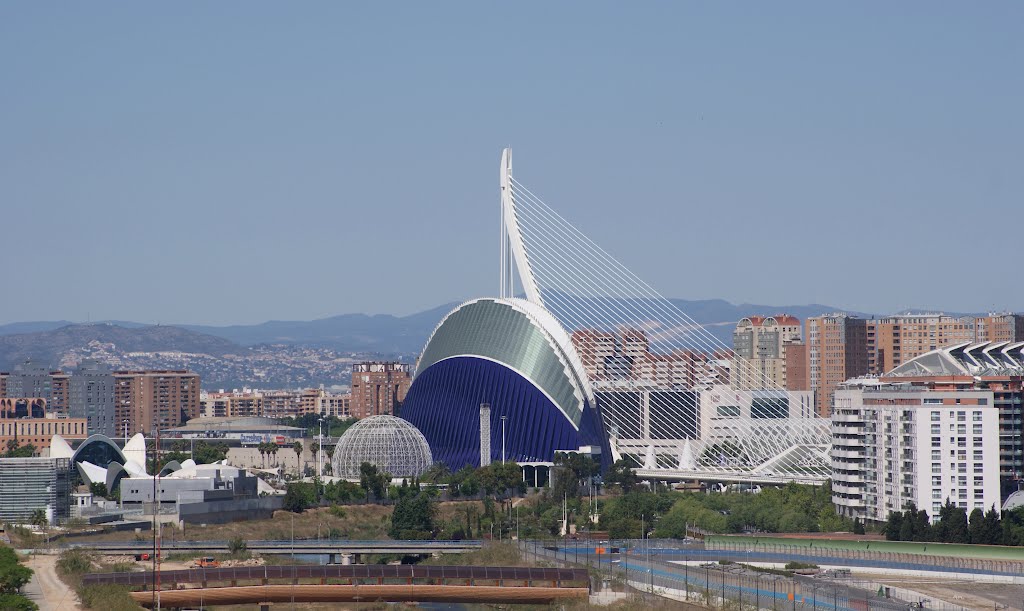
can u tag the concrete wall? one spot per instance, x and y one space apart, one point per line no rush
222 512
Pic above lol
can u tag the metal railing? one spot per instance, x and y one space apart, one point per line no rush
641 567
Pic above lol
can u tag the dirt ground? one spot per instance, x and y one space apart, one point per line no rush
46 589
970 594
358 522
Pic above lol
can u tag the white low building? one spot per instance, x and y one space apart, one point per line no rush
896 443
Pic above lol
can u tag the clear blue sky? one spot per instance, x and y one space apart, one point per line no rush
238 162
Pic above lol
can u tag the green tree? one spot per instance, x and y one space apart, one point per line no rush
373 481
17 602
976 527
993 527
14 450
39 518
299 496
437 473
894 526
13 575
621 474
858 526
413 517
99 489
205 453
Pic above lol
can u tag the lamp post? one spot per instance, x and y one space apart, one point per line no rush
320 454
503 439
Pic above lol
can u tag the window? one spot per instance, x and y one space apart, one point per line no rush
962 481
977 441
936 467
979 492
936 442
936 454
976 429
936 430
936 480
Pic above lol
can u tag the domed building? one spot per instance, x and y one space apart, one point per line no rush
392 444
515 356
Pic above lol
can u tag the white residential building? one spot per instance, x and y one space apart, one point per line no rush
896 443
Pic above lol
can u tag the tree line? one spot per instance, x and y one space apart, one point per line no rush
954 525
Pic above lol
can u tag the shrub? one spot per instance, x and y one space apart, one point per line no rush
237 546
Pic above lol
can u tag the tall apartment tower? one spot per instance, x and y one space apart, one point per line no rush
594 348
759 344
91 396
837 350
379 387
145 400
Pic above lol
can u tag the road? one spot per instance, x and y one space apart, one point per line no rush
46 589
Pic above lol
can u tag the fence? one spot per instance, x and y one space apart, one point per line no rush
712 584
978 566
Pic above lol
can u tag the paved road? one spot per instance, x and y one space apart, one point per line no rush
46 589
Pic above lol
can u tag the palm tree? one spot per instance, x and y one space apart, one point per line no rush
297 446
314 448
39 518
262 447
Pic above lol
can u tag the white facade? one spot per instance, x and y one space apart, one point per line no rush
895 444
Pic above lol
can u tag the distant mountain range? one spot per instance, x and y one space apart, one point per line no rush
286 353
384 334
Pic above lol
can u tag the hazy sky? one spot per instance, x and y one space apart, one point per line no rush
238 162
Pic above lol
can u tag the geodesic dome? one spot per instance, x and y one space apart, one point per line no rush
392 444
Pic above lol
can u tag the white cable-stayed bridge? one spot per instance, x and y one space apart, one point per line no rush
672 397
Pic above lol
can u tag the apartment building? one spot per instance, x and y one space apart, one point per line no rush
154 398
837 350
759 344
295 403
230 404
33 380
895 443
91 397
999 327
379 388
996 367
893 340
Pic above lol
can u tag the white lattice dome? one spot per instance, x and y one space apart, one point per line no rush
392 444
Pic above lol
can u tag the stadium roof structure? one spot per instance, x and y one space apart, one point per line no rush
981 359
